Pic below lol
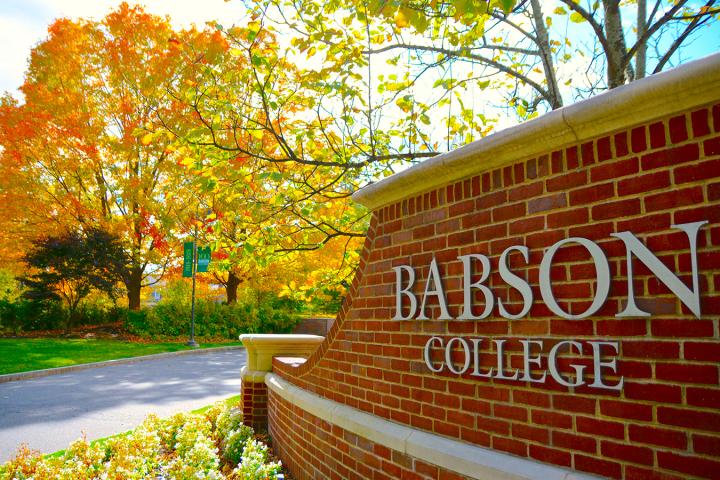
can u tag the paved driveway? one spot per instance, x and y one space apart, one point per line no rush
48 413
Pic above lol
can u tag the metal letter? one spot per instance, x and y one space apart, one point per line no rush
500 375
467 287
691 298
612 364
448 355
426 355
602 273
434 277
552 365
476 363
514 281
399 291
527 361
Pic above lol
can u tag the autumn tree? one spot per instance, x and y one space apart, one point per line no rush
70 266
271 186
86 143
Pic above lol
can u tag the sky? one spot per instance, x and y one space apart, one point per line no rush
23 24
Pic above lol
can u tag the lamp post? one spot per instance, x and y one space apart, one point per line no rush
192 342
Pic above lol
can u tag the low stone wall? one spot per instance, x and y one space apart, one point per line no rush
641 399
337 453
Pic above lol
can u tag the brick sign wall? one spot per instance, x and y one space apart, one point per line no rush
663 421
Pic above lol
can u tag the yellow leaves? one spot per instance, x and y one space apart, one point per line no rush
147 139
186 162
401 19
575 17
560 11
287 290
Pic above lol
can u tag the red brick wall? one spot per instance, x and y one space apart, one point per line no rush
665 423
328 451
254 404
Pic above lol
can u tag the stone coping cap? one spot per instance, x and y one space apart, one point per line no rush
291 361
691 85
259 339
261 348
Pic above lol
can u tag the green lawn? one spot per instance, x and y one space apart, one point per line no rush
22 355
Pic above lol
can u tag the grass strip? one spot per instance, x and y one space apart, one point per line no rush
27 354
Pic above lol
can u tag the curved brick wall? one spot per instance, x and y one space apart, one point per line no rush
664 423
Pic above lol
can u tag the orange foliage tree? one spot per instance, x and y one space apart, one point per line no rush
85 149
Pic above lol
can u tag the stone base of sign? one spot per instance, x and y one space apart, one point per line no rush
379 448
260 351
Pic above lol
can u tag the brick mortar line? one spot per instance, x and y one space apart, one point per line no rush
13 377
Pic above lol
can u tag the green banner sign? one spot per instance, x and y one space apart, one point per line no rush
187 259
203 259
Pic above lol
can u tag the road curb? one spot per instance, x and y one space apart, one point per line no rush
13 377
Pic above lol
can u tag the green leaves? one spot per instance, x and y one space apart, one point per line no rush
507 5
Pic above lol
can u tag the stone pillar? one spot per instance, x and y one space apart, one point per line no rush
261 348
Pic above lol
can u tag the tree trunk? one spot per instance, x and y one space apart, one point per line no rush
70 321
133 285
231 287
615 50
641 53
543 42
72 314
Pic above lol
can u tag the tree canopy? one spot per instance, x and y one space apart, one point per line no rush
85 143
256 135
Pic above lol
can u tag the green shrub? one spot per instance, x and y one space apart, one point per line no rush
234 442
171 318
228 420
30 315
254 463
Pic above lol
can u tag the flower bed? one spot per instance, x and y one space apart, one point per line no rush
209 445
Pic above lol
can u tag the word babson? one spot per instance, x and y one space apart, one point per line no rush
405 281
